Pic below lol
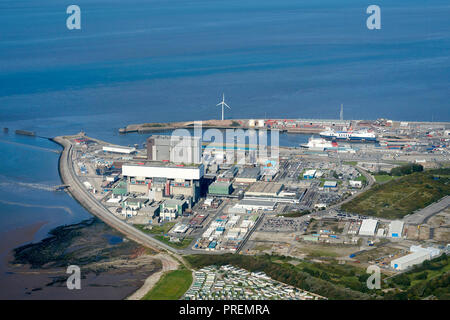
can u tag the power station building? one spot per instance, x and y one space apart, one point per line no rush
160 180
177 149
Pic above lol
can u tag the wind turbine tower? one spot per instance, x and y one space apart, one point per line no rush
223 104
341 114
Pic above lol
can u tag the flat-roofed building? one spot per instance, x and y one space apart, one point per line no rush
220 188
170 209
410 260
264 189
355 183
163 179
396 229
309 174
255 205
119 149
330 184
249 175
368 227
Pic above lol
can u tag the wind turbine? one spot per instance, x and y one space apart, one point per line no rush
223 104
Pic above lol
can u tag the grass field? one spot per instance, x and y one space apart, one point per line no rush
403 195
163 229
179 245
158 233
383 178
171 286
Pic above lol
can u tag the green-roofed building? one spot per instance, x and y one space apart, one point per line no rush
120 189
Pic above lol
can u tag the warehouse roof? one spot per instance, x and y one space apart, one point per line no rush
250 173
368 227
330 184
410 257
263 187
396 228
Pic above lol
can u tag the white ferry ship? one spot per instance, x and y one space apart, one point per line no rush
349 135
319 144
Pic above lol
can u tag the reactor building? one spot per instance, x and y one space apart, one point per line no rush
177 149
162 180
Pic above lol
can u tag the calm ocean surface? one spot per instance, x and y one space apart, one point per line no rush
142 61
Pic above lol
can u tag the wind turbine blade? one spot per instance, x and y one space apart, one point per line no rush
219 104
227 105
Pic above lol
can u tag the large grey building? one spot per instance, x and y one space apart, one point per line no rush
177 149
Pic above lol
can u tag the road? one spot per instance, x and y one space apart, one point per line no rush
422 215
370 182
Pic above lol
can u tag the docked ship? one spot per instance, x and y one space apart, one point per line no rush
349 135
319 144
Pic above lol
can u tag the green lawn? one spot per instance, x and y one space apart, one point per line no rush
178 245
383 178
361 178
163 229
158 233
403 195
171 286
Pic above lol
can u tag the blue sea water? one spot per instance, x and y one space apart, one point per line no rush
151 60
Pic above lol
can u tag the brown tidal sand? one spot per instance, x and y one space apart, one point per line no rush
9 240
114 278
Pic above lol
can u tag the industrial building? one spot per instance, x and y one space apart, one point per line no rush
309 174
434 252
418 255
249 175
368 227
264 189
119 149
250 205
355 183
269 174
170 209
410 260
396 229
220 188
330 184
228 175
161 180
177 149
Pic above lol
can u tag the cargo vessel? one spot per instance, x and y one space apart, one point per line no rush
26 133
